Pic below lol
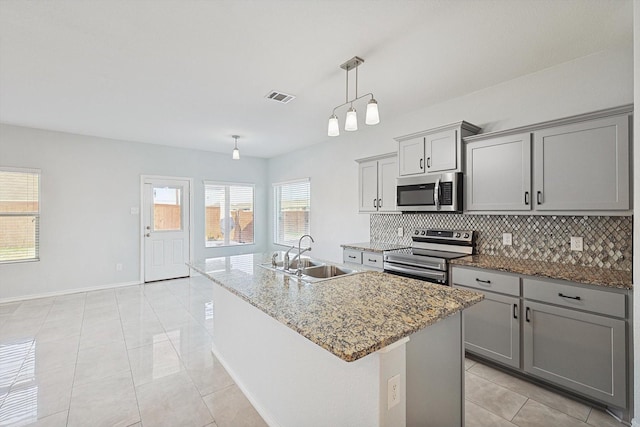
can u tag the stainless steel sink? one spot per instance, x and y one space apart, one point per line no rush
304 263
312 270
326 271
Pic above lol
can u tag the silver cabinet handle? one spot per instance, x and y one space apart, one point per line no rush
515 311
526 314
421 167
373 260
488 282
539 197
526 198
561 295
379 203
428 162
374 203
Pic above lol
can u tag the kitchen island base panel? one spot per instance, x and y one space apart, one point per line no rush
435 384
292 381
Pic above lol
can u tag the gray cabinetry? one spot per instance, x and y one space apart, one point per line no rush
498 174
377 183
581 351
568 334
434 150
492 326
362 257
583 166
565 166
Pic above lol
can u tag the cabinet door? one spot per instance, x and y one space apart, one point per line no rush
411 157
499 174
441 151
492 328
583 166
387 174
581 351
368 186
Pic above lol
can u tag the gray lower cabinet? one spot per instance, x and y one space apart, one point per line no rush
568 334
581 351
492 328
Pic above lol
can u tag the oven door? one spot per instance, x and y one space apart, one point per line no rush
420 273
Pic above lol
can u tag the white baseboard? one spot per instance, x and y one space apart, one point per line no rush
262 411
69 291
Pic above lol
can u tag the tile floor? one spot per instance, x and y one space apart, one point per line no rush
140 356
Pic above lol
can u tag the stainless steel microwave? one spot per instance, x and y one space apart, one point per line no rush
430 193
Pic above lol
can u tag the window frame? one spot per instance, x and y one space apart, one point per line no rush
276 210
37 214
228 184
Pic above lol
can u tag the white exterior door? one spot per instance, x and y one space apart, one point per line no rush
166 229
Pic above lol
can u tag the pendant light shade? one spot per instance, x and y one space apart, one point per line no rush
236 153
351 123
372 117
334 127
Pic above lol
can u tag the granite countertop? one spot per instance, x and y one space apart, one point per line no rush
350 316
374 246
574 273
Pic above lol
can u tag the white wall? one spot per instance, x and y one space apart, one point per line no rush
587 84
89 186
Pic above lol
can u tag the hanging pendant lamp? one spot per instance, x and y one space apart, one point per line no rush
236 153
372 116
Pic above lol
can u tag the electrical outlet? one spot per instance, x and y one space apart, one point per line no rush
135 211
400 231
576 244
507 239
393 391
118 267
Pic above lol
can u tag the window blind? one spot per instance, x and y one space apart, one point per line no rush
228 214
292 207
19 214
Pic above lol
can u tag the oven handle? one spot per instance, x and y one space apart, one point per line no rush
431 266
417 272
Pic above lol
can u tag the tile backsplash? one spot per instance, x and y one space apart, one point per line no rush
607 239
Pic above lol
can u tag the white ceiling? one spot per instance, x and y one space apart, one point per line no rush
192 73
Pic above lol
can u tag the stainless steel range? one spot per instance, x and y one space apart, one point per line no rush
431 251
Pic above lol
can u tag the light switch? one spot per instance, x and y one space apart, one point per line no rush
135 211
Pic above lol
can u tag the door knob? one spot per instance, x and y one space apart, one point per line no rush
148 227
148 234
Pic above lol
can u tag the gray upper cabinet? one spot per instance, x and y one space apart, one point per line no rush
411 157
583 166
498 174
434 150
377 183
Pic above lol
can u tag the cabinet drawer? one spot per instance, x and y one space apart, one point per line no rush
576 296
372 259
486 280
352 256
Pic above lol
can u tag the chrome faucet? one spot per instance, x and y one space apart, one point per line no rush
300 252
286 263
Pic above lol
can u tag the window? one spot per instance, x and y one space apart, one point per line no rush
228 214
19 214
292 204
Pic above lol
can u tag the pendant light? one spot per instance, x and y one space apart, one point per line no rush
236 152
372 116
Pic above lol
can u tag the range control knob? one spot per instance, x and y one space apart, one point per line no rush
417 232
466 235
423 232
457 234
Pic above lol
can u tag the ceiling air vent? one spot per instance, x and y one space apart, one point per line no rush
283 98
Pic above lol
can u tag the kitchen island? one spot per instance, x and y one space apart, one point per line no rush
367 349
